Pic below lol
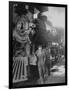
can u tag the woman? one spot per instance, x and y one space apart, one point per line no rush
40 57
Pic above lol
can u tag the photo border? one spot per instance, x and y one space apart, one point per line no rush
11 47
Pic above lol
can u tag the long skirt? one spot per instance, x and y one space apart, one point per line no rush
34 72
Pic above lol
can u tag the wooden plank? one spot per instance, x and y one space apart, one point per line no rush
15 71
15 68
22 70
25 70
19 75
14 65
19 80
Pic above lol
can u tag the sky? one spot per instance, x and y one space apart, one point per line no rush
56 15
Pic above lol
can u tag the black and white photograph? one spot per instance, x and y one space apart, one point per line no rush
37 44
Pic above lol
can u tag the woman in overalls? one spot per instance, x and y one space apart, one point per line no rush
40 64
